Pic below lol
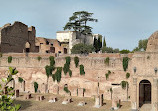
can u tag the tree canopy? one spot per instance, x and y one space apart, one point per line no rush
78 22
142 45
82 49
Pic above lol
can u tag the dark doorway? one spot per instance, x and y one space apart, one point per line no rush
27 50
52 49
144 92
65 50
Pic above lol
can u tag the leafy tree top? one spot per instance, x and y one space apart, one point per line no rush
78 22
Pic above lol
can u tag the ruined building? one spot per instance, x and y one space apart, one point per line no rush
17 37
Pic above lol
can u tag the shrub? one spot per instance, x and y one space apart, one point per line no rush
82 49
107 74
6 103
124 51
66 67
125 63
76 60
109 50
20 79
70 73
124 84
9 59
39 58
127 75
35 86
57 75
82 72
66 89
52 61
106 61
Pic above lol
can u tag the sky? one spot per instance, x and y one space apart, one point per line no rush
122 22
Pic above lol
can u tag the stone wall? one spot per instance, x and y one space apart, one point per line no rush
14 37
33 70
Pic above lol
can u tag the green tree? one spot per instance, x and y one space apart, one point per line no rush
124 51
142 45
104 43
109 50
6 92
82 49
78 22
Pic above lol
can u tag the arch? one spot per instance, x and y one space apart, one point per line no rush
144 92
65 50
27 47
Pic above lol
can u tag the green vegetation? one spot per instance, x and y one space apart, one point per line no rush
107 74
109 50
142 45
6 103
20 79
104 43
76 60
39 58
66 67
9 59
57 75
82 49
127 75
70 73
106 61
84 90
124 51
124 84
66 89
82 72
118 105
78 22
125 63
97 43
35 86
52 61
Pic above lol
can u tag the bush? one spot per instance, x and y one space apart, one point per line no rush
39 58
66 67
124 51
35 86
57 75
20 79
9 59
76 60
66 89
107 74
109 50
106 61
124 84
6 103
127 75
70 73
82 49
125 63
52 61
82 72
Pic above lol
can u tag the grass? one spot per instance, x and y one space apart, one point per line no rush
32 105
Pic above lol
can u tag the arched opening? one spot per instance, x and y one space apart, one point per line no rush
144 92
27 47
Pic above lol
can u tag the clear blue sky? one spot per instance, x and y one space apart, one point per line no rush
122 22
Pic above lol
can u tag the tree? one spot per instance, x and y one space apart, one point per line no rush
124 51
82 49
142 45
109 50
97 43
6 92
78 22
104 43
